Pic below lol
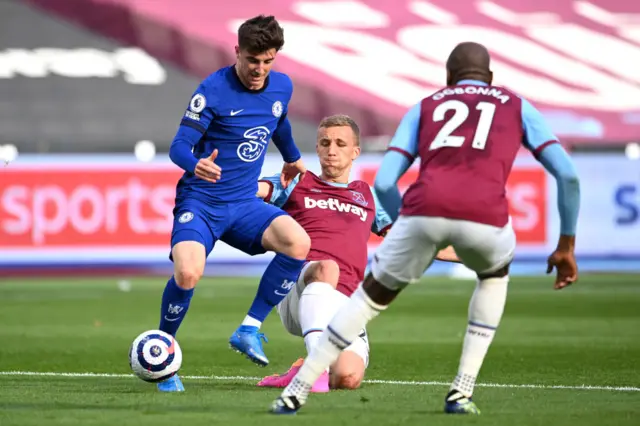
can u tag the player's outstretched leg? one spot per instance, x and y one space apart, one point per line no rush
485 312
316 302
291 243
319 303
364 305
189 258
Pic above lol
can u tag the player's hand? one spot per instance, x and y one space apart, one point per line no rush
290 171
563 260
207 169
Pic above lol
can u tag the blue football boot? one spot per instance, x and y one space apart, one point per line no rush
172 384
248 341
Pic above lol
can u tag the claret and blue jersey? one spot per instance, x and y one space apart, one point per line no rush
536 137
338 218
280 195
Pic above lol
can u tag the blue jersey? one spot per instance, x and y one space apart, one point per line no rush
224 115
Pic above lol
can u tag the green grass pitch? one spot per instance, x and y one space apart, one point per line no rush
559 358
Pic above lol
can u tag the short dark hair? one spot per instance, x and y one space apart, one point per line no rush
261 33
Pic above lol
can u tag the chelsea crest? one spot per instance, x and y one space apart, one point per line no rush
276 109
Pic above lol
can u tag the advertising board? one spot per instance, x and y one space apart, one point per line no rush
85 210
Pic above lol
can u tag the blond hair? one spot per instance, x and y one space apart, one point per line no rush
341 120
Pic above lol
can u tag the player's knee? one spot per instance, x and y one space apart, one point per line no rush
295 242
300 244
326 271
347 372
187 277
382 292
346 380
189 258
351 382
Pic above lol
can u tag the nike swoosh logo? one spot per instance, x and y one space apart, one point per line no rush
280 294
236 112
171 319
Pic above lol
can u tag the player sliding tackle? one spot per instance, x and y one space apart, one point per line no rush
467 136
221 144
338 216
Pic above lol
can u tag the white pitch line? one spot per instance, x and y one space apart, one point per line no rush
117 376
510 386
373 381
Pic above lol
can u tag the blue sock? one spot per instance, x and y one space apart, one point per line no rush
175 303
278 279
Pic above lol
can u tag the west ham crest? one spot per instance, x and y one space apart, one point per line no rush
359 198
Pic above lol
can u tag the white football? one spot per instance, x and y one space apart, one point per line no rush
155 356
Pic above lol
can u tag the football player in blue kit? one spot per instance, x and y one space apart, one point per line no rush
221 145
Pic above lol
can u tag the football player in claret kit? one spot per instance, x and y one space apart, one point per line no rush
339 216
221 145
467 136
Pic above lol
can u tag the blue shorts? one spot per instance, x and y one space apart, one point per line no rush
239 224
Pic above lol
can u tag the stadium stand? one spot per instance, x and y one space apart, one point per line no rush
376 57
67 89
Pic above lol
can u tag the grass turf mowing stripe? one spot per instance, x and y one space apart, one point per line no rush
373 381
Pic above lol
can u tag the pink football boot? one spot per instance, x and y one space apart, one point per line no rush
282 380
